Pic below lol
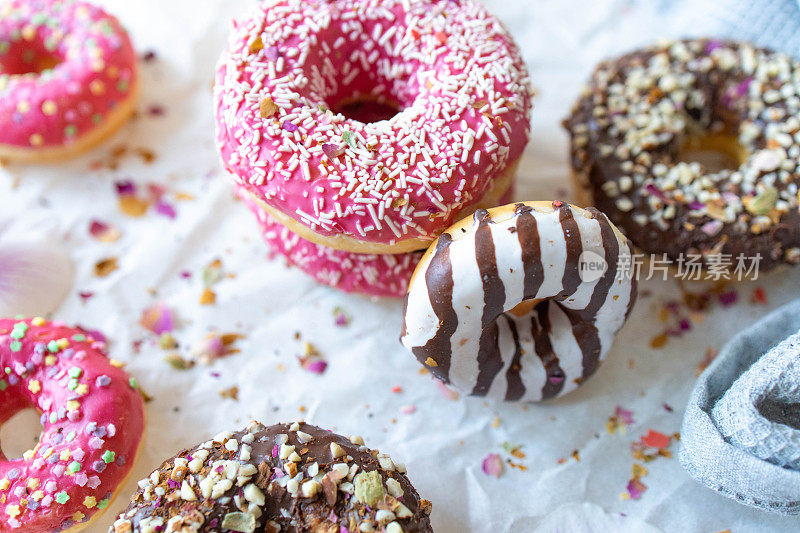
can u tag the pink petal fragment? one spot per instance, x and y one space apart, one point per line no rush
158 319
493 465
103 231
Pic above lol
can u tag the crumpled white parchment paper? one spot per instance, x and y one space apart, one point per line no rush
444 441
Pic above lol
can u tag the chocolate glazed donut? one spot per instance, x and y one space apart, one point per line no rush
284 478
505 303
638 110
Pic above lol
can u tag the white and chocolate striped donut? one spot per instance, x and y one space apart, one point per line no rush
505 304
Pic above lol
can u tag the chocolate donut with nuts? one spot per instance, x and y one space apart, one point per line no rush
283 478
637 113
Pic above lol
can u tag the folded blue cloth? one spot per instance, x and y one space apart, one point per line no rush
741 430
771 23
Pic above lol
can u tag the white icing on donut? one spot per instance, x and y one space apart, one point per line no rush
457 319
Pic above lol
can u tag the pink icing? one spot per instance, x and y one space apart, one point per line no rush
449 65
385 275
95 70
371 274
92 420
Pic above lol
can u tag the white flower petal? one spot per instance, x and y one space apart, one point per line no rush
35 277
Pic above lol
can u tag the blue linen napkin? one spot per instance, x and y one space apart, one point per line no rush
741 430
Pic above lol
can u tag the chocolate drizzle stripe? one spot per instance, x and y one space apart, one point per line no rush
529 242
583 322
540 329
439 281
516 388
572 237
490 361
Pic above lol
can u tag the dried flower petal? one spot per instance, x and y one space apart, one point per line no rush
212 273
635 489
272 53
230 393
35 277
332 150
104 267
624 415
712 228
655 439
163 208
133 206
214 346
208 297
316 367
493 465
341 318
408 409
103 231
125 188
728 298
177 362
158 319
350 138
759 296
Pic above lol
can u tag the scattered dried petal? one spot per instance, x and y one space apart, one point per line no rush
104 267
655 439
493 465
103 231
158 318
350 138
212 273
208 297
230 393
214 346
166 209
340 318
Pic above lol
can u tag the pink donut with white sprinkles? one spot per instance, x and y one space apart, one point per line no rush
385 275
92 418
68 78
456 98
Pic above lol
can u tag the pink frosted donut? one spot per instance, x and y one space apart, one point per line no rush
385 275
449 68
67 78
371 274
92 418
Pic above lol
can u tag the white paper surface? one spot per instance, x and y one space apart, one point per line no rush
443 442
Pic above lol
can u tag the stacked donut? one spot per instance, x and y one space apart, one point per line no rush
357 131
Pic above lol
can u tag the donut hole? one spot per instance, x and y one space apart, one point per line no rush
366 109
525 307
27 57
369 97
20 433
715 151
362 74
